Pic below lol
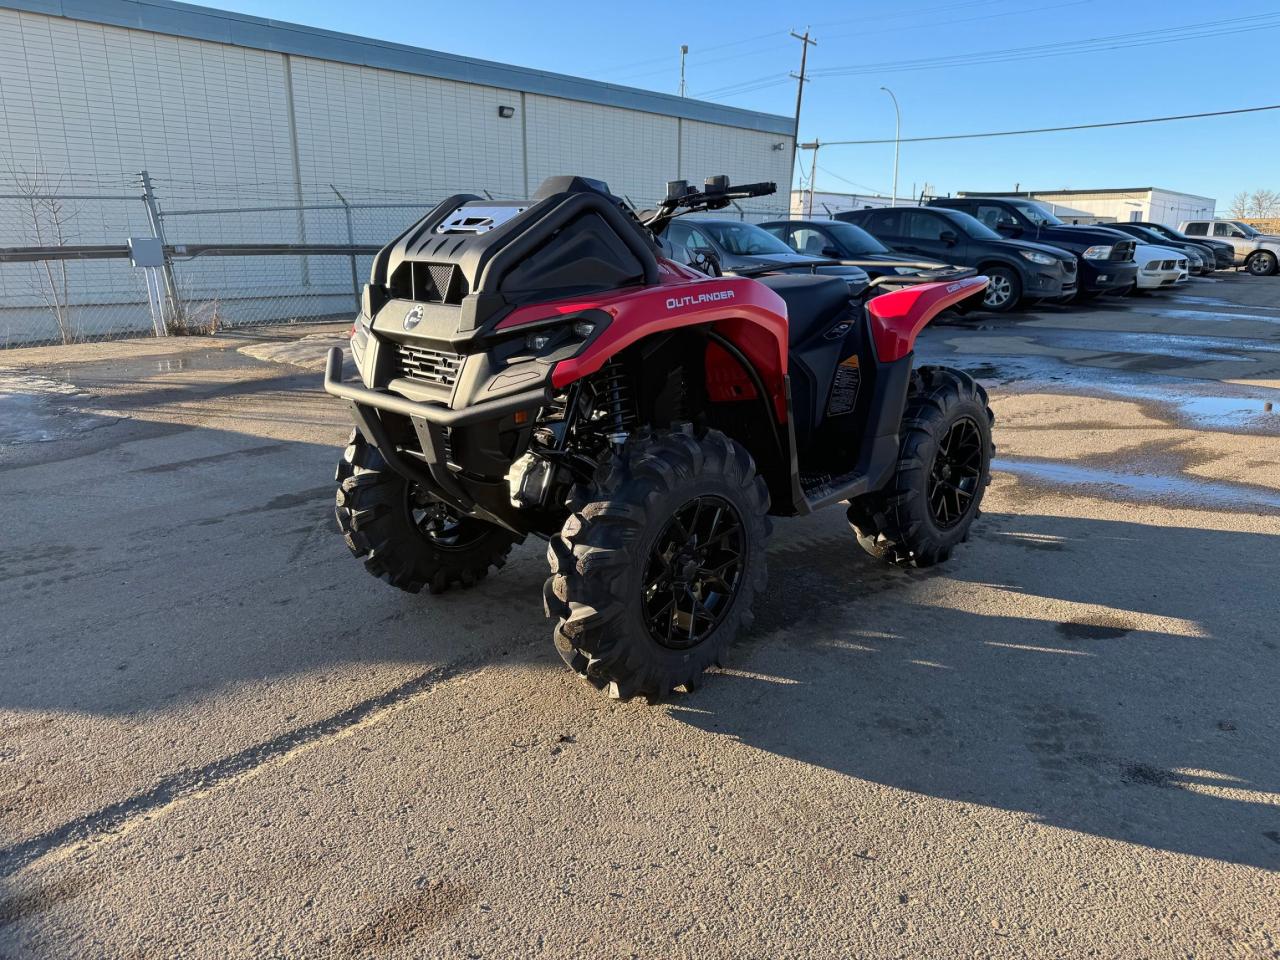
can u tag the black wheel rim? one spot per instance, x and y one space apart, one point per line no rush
439 525
956 473
693 572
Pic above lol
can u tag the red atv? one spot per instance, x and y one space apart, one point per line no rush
537 367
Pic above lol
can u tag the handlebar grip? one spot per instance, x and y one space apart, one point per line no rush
761 189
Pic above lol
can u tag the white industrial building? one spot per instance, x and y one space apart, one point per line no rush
1125 204
827 203
226 111
1079 206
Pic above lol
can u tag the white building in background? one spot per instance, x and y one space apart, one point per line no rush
226 110
1077 206
1119 204
826 204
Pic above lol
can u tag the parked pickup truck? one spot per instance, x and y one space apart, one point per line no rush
1105 256
1259 253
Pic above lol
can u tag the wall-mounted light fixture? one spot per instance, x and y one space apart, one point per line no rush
506 113
778 146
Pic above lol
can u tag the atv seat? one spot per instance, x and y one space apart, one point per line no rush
813 302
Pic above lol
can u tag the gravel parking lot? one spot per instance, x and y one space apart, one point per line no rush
219 737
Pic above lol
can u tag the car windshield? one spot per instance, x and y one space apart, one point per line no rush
1147 234
1164 231
854 239
1248 230
1036 213
971 226
744 239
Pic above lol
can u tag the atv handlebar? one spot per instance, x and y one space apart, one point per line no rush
715 195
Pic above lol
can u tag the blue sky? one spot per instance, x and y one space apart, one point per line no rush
748 41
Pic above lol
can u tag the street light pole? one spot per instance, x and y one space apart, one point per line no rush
897 142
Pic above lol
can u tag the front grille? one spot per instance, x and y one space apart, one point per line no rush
423 365
1122 250
428 282
1168 265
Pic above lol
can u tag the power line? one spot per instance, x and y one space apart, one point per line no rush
1078 126
1120 41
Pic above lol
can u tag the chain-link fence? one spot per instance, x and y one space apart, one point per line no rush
234 254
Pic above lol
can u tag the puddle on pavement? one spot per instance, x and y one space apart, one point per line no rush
1137 362
1159 488
1210 302
142 367
36 409
1212 315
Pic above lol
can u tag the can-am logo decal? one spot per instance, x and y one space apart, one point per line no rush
675 303
413 317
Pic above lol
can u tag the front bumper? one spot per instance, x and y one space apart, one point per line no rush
1103 275
423 440
435 413
1050 283
1155 279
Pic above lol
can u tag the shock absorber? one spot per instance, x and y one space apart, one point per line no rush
619 403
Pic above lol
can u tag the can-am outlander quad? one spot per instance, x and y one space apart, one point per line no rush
539 367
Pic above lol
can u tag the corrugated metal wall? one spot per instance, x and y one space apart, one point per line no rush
85 106
85 100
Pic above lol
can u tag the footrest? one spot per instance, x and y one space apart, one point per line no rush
822 490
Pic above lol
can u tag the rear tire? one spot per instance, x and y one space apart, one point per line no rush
404 542
1004 289
1262 263
944 467
619 557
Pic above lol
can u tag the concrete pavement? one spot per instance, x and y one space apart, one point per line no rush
220 737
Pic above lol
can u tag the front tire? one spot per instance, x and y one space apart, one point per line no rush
1004 289
656 568
1262 263
405 539
944 466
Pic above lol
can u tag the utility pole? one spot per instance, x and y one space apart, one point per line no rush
813 172
684 52
157 231
805 44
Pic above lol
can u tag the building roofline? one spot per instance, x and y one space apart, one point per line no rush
1069 193
279 36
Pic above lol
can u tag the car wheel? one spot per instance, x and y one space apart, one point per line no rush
1004 289
1262 264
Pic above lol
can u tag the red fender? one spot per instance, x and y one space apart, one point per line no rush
898 317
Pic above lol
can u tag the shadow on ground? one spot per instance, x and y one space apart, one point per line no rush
216 565
1089 722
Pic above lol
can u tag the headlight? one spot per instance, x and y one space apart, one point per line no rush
1100 252
1035 256
1153 265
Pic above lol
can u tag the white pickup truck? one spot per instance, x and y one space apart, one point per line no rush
1259 253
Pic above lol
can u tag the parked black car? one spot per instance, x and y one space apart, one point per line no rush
838 240
1201 259
1018 270
735 246
1223 252
1105 256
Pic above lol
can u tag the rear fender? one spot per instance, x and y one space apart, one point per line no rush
897 318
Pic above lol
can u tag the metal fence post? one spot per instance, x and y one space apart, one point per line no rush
157 231
351 240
